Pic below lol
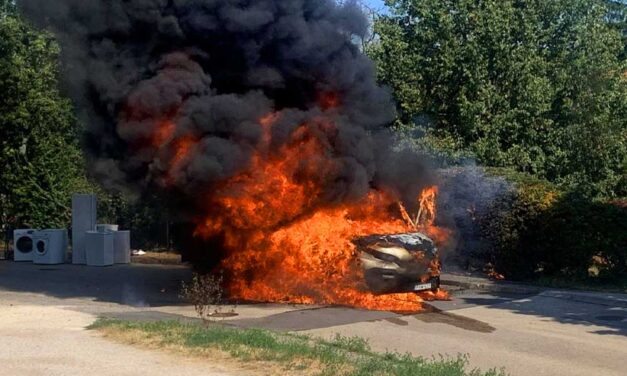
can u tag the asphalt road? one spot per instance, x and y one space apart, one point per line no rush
43 311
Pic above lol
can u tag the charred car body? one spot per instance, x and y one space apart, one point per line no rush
399 263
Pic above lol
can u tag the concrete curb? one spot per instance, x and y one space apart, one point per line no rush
460 283
606 299
475 283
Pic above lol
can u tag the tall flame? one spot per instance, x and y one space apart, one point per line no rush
285 243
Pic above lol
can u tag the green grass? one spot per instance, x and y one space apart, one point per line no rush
340 356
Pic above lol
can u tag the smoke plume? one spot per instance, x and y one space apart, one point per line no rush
145 73
261 119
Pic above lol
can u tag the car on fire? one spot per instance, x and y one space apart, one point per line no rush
399 263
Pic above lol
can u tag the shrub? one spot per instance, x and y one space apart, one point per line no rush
204 292
538 231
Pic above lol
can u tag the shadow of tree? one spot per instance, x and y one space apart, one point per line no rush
133 285
604 318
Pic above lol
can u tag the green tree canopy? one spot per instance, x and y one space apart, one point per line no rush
536 85
39 152
617 17
7 7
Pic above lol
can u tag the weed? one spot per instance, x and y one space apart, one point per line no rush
205 292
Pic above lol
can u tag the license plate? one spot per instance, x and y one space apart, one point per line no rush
422 287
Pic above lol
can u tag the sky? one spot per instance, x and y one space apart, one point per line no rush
376 4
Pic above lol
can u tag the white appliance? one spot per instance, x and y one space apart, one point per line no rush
122 247
84 213
23 248
50 247
99 248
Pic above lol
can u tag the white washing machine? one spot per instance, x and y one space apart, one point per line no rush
23 246
50 247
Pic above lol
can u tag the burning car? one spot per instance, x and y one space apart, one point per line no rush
399 263
262 146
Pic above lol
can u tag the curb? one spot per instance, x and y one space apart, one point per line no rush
459 284
610 300
467 282
492 286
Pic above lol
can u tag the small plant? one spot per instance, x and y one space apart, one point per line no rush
205 292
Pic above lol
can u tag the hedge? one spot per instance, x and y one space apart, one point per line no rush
536 230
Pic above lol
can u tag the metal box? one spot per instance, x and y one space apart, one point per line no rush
84 216
122 247
99 248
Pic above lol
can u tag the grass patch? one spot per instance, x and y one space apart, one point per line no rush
289 352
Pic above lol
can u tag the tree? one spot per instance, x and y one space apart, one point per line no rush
617 18
39 153
536 85
7 7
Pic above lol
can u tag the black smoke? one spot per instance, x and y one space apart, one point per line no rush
213 68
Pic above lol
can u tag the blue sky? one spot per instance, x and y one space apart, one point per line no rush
374 3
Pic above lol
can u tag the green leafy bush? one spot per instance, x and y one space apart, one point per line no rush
539 231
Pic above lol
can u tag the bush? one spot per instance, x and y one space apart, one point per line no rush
579 235
539 231
204 292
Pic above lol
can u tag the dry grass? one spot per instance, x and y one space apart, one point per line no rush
160 258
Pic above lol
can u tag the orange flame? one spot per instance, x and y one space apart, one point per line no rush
286 245
328 100
427 207
183 148
164 133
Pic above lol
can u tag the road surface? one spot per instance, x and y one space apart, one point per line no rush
44 310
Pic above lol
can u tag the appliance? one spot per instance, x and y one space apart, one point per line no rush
50 247
99 248
107 228
122 247
23 248
84 213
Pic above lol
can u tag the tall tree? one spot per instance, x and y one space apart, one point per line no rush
536 85
39 152
617 18
7 7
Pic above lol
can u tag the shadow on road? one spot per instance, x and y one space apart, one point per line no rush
565 310
159 285
133 285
